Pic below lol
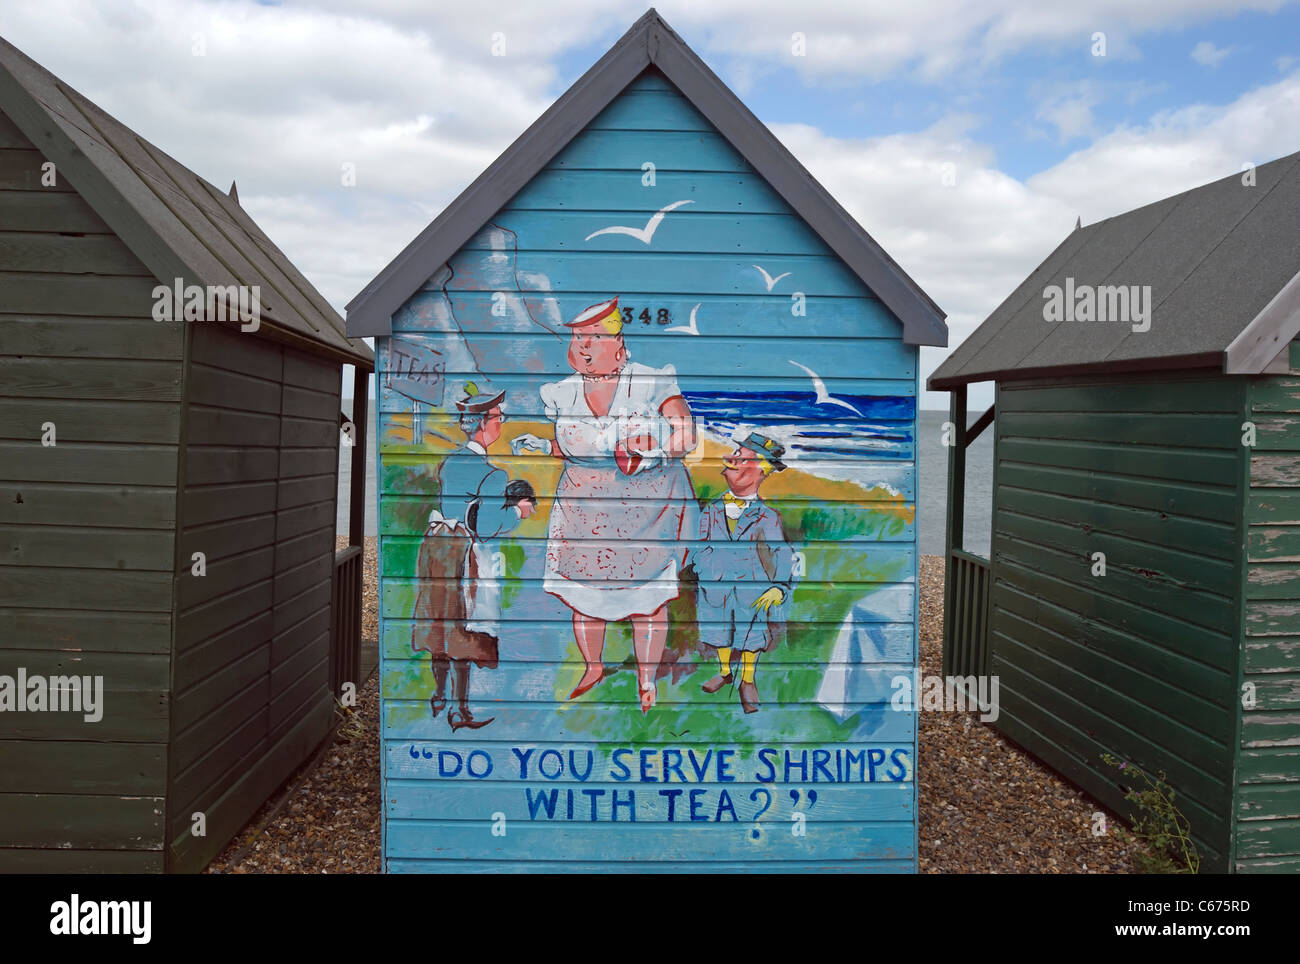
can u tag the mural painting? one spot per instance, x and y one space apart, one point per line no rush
647 549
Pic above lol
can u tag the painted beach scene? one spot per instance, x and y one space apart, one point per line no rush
833 633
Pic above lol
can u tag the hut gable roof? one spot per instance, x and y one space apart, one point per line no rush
1223 265
649 43
174 221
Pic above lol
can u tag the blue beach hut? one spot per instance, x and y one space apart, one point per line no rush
646 454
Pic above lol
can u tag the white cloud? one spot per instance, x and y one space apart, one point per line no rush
1208 55
970 245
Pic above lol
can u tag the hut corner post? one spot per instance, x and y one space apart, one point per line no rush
953 532
357 493
345 608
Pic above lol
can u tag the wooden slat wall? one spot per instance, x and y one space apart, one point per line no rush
860 550
253 634
1140 662
86 544
1268 761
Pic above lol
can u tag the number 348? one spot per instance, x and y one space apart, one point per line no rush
660 316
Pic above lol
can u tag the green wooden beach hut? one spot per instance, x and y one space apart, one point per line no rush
168 494
1143 595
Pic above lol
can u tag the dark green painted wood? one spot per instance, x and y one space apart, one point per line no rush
101 254
138 549
198 662
220 388
1141 662
148 423
1073 754
211 504
130 716
75 462
34 861
217 689
123 507
1269 801
297 697
48 211
224 577
1126 598
1211 686
221 540
90 378
79 766
227 814
10 135
219 767
87 589
70 336
1275 837
21 169
294 551
26 293
26 628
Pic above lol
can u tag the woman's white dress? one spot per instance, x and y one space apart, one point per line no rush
616 540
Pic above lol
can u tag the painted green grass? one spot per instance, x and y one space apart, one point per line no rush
717 717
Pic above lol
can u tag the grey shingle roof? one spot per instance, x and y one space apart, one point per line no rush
174 221
1215 257
649 42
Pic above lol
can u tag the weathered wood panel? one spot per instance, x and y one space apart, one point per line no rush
1137 658
755 322
1268 758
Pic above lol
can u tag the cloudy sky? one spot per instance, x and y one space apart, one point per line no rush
966 135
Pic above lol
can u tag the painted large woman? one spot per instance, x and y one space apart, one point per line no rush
624 504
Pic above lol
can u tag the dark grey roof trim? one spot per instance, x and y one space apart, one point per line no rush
1209 360
650 41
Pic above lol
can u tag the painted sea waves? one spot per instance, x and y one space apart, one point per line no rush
827 434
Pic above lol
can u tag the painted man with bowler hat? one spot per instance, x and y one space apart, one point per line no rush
745 568
458 607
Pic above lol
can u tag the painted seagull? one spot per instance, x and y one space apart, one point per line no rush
819 386
693 329
644 235
770 281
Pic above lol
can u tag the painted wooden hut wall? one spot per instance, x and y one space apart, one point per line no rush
730 288
1268 755
85 527
252 635
1140 662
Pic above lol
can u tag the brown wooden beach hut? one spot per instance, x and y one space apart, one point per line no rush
1143 595
168 493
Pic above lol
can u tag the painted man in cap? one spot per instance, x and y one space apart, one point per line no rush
458 608
745 568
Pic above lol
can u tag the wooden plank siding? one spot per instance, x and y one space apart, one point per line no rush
1140 662
86 545
1267 810
538 260
252 634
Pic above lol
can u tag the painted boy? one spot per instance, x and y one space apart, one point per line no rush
744 566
